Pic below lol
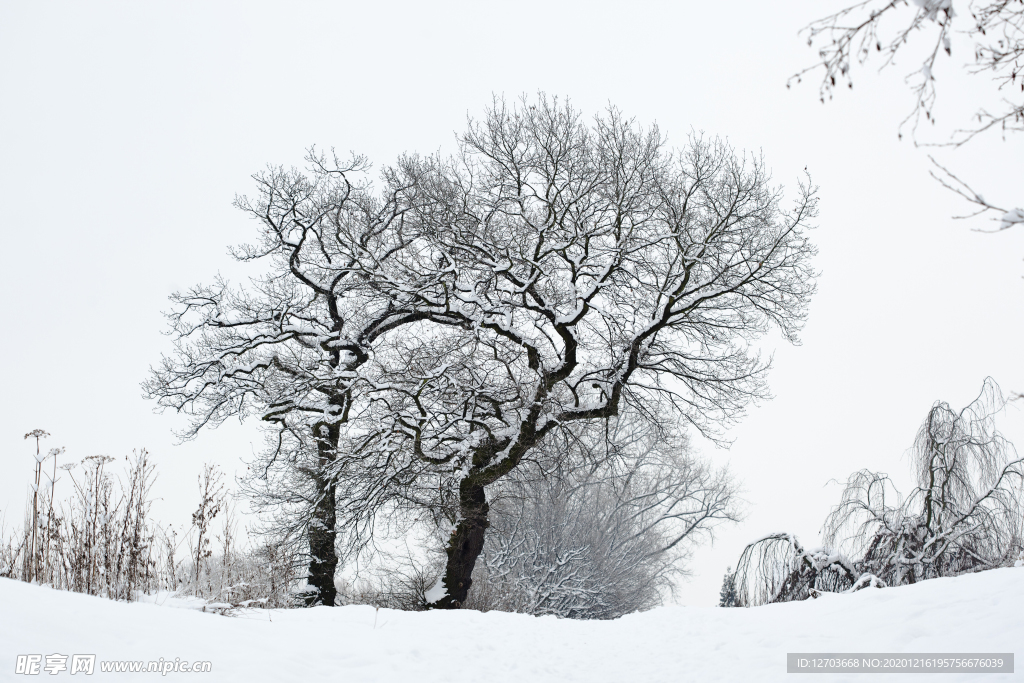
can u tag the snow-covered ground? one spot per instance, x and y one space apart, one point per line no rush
976 613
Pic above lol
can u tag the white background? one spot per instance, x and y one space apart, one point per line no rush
127 128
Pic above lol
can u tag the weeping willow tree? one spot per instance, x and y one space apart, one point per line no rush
965 514
777 568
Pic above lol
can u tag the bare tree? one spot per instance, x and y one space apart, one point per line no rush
552 272
573 270
288 347
996 30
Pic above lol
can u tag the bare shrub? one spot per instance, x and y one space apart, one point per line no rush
265 575
103 540
103 543
11 550
397 580
601 525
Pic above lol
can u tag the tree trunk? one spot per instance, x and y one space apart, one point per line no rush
465 546
323 559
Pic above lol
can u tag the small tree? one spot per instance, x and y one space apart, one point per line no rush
211 499
727 594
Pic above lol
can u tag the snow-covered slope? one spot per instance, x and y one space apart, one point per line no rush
977 613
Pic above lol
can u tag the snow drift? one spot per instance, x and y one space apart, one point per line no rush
970 613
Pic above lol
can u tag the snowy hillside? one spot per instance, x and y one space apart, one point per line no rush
976 613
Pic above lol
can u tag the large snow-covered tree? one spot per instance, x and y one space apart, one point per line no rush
575 268
427 337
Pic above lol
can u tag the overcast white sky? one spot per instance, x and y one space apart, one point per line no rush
127 128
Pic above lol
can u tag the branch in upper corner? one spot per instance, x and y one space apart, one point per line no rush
952 182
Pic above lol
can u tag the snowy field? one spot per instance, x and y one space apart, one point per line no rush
975 613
